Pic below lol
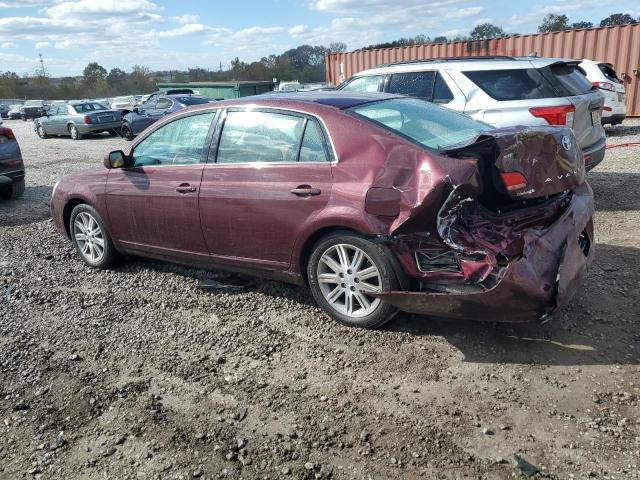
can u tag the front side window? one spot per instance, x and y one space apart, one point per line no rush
364 84
250 136
413 84
423 122
163 104
180 142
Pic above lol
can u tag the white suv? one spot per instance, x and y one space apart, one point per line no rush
604 77
501 91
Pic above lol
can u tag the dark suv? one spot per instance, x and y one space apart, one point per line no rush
157 106
11 165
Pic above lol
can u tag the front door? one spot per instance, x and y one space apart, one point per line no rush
153 206
272 173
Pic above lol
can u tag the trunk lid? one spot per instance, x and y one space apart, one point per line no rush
526 162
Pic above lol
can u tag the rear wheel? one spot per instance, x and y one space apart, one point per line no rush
75 134
90 237
344 271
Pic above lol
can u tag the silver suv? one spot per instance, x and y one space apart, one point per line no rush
501 91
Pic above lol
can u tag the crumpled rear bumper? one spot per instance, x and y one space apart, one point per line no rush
529 288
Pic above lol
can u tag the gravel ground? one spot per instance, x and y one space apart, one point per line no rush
136 373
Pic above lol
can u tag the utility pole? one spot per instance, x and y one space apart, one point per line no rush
43 71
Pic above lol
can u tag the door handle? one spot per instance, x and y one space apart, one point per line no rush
185 188
306 191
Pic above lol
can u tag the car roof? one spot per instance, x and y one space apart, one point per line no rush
466 64
331 98
82 102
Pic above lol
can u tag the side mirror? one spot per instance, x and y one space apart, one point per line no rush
116 159
136 110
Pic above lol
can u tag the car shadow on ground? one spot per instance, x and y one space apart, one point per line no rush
615 191
31 207
600 326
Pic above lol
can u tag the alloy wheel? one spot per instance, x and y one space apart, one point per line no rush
347 277
74 132
89 237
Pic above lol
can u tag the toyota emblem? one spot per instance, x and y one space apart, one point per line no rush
566 142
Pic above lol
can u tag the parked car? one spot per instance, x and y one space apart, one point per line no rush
77 119
4 111
32 109
15 112
603 76
157 106
11 165
501 91
123 103
376 201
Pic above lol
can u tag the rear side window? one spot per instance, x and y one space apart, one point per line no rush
260 137
441 91
519 84
609 72
571 79
193 100
364 84
413 84
312 147
164 103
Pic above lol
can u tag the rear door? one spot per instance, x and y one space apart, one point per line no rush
153 206
271 175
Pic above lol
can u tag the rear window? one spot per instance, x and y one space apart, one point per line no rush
609 72
434 127
517 84
89 107
193 100
571 79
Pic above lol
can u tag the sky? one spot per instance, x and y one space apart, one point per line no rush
170 35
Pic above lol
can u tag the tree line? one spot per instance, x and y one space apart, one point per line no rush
486 31
304 63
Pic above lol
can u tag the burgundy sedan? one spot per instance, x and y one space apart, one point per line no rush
377 202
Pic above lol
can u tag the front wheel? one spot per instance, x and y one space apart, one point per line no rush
127 133
90 237
41 132
75 134
344 271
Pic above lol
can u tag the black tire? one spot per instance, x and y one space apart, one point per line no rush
41 132
74 133
378 256
112 133
126 133
109 255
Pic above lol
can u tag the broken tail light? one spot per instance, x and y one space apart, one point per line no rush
604 86
87 120
559 115
513 180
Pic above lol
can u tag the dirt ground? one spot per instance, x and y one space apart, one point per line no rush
135 373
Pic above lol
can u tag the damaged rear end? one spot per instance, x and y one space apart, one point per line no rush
498 229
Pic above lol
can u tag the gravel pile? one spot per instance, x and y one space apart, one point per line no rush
136 373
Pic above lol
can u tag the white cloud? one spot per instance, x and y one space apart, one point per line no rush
298 30
21 3
186 18
95 10
42 45
8 45
188 29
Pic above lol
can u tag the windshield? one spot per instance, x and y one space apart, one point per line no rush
33 103
423 122
192 100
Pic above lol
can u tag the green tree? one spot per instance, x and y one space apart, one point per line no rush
617 19
440 39
554 23
140 80
484 31
117 80
581 24
92 75
337 47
